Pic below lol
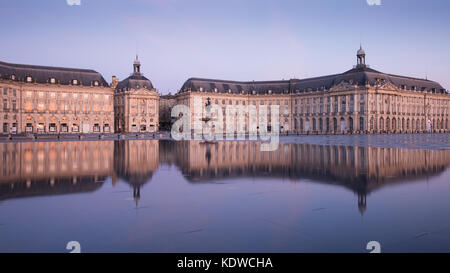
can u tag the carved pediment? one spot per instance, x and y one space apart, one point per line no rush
143 91
342 86
388 86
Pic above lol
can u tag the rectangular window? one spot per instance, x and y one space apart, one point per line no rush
41 107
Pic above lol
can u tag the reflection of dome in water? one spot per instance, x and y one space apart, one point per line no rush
362 205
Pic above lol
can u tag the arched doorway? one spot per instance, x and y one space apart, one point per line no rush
342 128
307 125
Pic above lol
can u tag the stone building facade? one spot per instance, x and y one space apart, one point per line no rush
136 103
42 99
360 100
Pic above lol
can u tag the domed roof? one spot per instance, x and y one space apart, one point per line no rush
136 80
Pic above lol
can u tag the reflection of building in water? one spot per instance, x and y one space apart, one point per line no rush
41 168
135 161
360 169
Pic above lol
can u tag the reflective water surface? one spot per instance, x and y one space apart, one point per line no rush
191 196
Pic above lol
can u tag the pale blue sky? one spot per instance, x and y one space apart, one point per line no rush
232 39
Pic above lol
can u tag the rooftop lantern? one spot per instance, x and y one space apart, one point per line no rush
361 57
137 66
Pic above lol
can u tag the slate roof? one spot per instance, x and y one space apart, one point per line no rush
42 74
135 81
360 75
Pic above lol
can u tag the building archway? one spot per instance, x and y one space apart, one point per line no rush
342 128
307 125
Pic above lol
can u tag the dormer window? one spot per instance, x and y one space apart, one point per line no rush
403 86
413 88
74 82
95 83
29 79
433 90
52 80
